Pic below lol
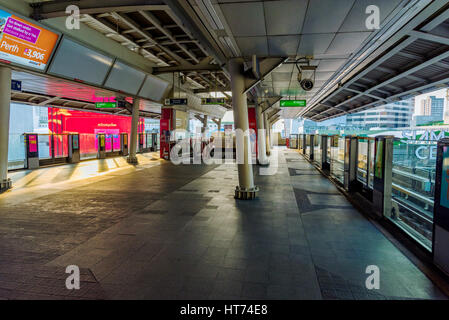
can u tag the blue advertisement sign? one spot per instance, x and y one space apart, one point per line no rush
444 198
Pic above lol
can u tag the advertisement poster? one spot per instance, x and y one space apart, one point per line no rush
32 143
25 43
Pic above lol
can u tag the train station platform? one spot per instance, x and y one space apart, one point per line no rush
176 232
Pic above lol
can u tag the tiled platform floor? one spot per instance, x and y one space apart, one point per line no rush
175 232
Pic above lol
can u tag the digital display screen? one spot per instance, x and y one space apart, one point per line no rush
25 43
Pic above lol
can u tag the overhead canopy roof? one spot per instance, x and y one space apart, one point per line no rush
414 61
44 90
357 68
329 31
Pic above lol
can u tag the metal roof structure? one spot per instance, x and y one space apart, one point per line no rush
415 61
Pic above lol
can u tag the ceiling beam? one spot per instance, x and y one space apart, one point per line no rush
266 66
53 9
203 65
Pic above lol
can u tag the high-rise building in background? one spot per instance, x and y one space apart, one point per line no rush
425 107
432 110
392 115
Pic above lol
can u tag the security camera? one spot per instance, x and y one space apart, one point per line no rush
306 84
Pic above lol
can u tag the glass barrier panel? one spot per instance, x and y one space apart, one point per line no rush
88 146
317 149
16 151
329 149
413 187
362 160
308 145
371 143
108 142
60 145
44 142
337 158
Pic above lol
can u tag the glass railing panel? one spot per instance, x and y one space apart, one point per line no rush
413 187
16 151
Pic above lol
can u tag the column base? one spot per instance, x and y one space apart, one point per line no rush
245 194
264 162
132 160
5 185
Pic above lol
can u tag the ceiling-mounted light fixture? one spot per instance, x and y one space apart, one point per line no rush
208 10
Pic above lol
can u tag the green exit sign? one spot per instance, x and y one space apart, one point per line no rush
293 103
105 105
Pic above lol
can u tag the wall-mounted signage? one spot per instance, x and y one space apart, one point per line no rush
16 85
213 101
105 105
176 102
25 43
293 103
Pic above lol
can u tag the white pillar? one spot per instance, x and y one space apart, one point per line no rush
5 106
132 158
261 136
268 133
246 188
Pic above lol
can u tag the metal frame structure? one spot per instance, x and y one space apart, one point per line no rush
418 62
151 29
37 99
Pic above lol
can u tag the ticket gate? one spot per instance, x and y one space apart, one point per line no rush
74 148
124 151
441 207
101 138
153 144
32 150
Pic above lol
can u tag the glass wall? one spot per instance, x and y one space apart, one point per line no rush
413 187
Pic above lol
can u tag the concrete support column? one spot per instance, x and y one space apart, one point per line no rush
246 188
268 133
5 106
132 158
261 136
